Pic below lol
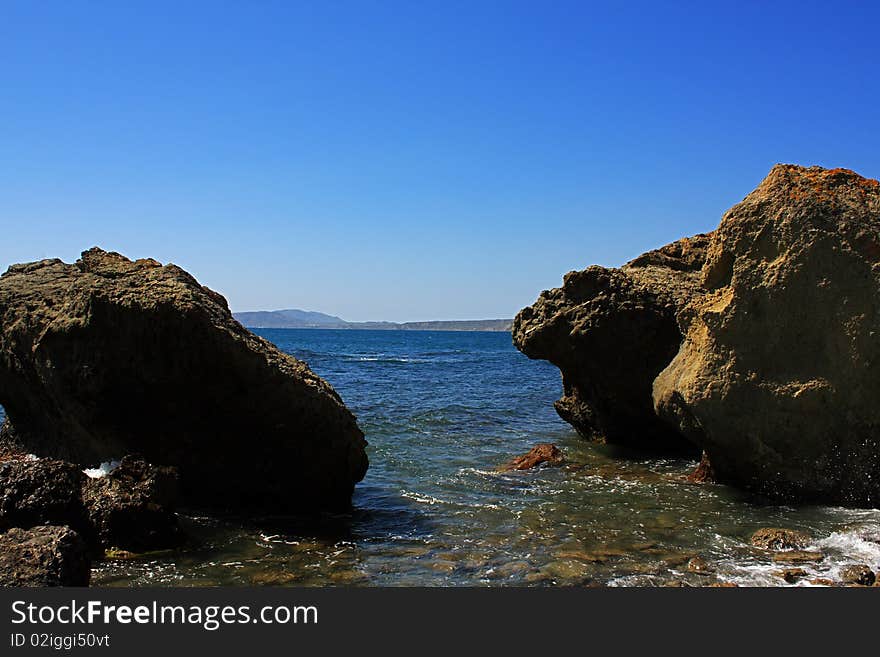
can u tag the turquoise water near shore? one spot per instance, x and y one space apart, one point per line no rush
442 410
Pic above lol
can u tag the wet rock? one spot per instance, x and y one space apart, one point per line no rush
703 473
107 357
699 566
132 507
442 566
798 556
610 332
512 569
724 585
43 556
274 578
541 454
822 581
775 538
676 560
779 371
791 575
857 574
41 492
566 571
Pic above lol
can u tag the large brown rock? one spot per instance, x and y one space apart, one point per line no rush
107 357
610 332
779 374
43 556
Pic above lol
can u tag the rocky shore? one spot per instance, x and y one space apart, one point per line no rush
135 373
755 344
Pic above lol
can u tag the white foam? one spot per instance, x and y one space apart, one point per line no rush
102 470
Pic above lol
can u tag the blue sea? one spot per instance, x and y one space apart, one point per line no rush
441 412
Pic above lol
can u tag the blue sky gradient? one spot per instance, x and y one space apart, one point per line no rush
412 161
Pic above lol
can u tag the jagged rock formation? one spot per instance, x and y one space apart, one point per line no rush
610 332
107 357
779 374
43 556
759 343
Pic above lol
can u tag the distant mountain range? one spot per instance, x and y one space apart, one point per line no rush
294 318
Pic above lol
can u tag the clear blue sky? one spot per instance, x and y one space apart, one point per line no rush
410 160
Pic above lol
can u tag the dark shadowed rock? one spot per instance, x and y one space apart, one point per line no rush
41 492
779 374
541 454
43 556
775 538
132 507
108 357
610 332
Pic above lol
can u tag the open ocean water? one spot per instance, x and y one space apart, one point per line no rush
441 411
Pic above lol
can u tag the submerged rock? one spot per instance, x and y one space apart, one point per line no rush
792 575
541 454
775 538
779 373
43 556
107 356
610 332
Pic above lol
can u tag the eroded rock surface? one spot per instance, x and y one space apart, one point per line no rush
107 357
779 374
610 332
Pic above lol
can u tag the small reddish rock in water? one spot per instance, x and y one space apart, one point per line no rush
538 455
703 474
857 574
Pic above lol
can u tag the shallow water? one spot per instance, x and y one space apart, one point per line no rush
441 411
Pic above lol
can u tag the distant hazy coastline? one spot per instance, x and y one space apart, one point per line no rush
295 318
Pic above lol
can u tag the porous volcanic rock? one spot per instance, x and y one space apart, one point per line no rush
107 357
43 556
779 374
610 332
132 507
